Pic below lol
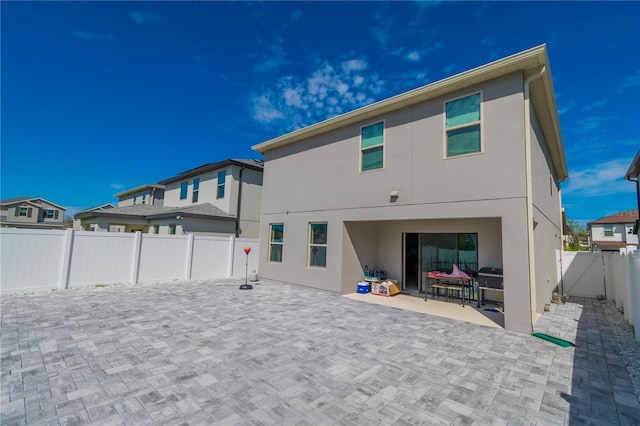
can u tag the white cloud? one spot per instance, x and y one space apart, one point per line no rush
83 35
593 105
295 16
449 68
413 56
274 58
264 111
143 18
116 185
630 82
602 179
327 91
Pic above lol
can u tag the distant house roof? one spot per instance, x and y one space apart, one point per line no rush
30 200
149 211
611 245
528 62
624 217
248 163
138 189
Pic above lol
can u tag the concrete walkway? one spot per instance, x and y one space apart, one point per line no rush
206 353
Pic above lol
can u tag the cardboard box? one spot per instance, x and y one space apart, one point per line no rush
384 288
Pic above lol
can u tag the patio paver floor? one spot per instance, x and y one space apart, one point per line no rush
202 353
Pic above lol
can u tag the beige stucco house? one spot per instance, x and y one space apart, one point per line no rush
28 212
220 198
465 171
614 232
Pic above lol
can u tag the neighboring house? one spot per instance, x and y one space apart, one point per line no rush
77 223
633 175
614 232
215 199
583 241
462 171
145 194
27 212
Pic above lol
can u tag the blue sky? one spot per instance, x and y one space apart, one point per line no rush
98 97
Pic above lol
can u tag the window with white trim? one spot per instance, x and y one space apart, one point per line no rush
51 214
144 197
318 245
372 147
24 211
184 188
221 179
196 189
276 241
608 230
463 126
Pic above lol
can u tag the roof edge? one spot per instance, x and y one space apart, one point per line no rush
472 76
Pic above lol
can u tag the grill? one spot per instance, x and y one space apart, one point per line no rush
490 278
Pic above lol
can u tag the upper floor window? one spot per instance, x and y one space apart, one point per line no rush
135 199
372 147
196 189
221 179
608 230
184 188
276 241
51 214
462 126
24 212
318 244
144 197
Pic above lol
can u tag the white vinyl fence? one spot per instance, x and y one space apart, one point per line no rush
32 260
612 275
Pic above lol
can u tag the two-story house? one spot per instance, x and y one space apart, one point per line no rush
633 175
463 171
614 232
28 212
215 199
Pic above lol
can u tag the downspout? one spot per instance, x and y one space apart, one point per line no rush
529 190
239 202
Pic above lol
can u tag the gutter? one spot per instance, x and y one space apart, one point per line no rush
529 190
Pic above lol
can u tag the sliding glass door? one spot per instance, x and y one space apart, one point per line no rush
438 252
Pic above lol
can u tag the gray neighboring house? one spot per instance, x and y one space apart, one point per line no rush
214 199
464 171
30 212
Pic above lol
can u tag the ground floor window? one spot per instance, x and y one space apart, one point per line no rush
276 239
318 244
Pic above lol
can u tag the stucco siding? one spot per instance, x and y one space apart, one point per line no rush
547 217
206 194
359 237
322 172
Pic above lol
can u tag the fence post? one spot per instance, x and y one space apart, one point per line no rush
634 284
67 251
232 249
187 272
135 265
